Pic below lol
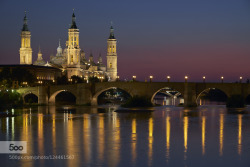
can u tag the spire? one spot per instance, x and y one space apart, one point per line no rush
59 43
59 49
100 59
73 24
111 36
25 21
39 52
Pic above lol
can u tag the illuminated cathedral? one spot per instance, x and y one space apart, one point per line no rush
72 59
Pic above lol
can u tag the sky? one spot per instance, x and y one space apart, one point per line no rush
163 37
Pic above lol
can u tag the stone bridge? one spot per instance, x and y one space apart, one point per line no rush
88 93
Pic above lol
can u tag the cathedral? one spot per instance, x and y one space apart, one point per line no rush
72 60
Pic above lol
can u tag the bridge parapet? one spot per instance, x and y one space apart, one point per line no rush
88 93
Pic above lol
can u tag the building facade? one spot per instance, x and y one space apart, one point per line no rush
72 60
25 50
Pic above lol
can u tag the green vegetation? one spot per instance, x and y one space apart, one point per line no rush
236 101
7 76
9 98
138 101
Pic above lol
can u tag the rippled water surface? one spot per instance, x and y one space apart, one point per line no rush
170 136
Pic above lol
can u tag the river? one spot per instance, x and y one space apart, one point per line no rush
97 136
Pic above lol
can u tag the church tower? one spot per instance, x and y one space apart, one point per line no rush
25 50
39 61
111 56
73 49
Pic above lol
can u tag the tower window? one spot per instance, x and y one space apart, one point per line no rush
71 58
110 65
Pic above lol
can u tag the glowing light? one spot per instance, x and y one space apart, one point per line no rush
204 77
168 135
186 77
133 138
151 77
203 136
221 133
168 78
134 77
239 134
240 78
101 138
185 129
150 140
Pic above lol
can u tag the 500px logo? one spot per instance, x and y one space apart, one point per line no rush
13 147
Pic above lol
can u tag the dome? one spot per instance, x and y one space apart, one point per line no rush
59 50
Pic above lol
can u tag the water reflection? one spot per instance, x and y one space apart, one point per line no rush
239 134
221 133
115 154
168 126
133 141
54 133
113 139
101 138
203 134
185 129
150 140
86 138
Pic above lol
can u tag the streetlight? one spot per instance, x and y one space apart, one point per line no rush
117 78
222 78
240 79
150 78
102 79
134 77
186 78
168 78
204 79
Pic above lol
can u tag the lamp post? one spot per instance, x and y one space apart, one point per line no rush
204 79
222 79
186 78
168 78
150 78
241 79
134 77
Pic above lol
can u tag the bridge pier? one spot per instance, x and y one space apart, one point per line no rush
43 95
189 95
83 95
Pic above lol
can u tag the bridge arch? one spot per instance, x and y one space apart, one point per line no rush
247 99
206 91
30 97
94 100
168 92
52 99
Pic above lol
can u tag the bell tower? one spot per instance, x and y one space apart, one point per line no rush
25 50
111 56
73 54
73 50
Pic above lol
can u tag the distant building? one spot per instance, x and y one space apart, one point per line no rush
42 73
72 60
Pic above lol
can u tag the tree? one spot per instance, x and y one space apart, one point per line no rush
63 80
8 75
76 79
93 79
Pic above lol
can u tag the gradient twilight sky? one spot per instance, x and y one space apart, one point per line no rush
159 38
